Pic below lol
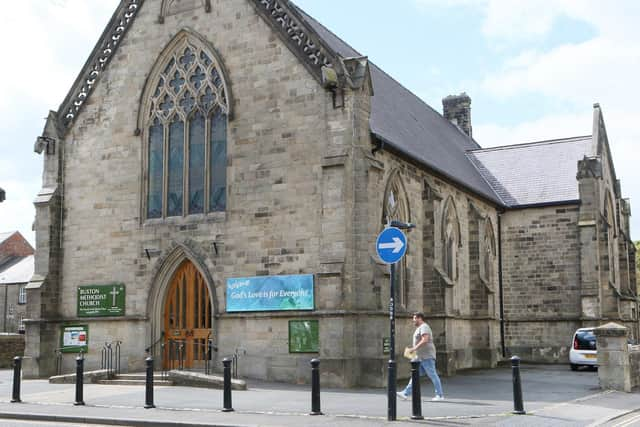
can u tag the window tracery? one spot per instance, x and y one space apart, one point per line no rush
396 207
488 253
450 241
610 231
186 129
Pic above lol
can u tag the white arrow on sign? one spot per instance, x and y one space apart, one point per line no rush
396 245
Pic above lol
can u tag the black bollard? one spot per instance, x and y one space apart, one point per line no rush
518 406
227 407
17 368
315 387
79 380
391 390
416 398
148 395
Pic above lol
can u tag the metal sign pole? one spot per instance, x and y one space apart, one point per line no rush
391 245
392 407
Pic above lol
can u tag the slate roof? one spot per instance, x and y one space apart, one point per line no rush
19 270
535 173
412 127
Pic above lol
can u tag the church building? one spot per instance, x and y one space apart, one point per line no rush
220 169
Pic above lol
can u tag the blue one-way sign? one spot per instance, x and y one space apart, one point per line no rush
391 245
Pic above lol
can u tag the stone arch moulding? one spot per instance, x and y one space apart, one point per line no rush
184 36
450 206
609 209
395 182
490 233
173 7
163 272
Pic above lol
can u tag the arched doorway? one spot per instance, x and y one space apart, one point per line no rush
187 319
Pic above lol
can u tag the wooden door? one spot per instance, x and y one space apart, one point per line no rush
187 319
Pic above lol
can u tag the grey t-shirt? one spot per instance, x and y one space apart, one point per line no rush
428 350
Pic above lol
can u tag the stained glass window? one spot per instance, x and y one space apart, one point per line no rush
187 116
218 185
196 164
154 199
176 168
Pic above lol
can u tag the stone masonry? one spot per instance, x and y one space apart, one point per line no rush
308 190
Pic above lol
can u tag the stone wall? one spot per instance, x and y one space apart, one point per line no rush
11 345
287 192
463 313
541 281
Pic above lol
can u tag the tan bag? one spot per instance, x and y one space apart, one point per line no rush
411 355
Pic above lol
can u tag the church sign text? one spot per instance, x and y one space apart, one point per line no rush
101 300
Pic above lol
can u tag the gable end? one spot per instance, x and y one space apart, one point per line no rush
300 38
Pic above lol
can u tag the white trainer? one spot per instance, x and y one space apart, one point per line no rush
437 399
401 395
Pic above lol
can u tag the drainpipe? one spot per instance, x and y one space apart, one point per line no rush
4 322
500 285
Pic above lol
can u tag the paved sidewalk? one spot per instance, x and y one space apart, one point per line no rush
553 396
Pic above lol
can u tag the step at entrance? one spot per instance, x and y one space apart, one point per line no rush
136 379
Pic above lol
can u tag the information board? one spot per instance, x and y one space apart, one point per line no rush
304 336
270 293
101 300
74 338
386 345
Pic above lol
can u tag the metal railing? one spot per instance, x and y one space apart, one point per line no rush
111 357
234 360
58 353
173 353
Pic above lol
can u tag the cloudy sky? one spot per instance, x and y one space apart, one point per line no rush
532 68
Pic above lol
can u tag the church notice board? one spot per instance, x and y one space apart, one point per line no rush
74 338
101 300
303 336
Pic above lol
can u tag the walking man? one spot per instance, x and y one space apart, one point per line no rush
426 353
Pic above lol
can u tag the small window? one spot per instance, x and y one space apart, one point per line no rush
21 326
22 296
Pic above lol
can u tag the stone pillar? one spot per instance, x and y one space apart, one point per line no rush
614 368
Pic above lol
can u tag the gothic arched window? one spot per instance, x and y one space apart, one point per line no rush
450 241
487 253
396 207
610 230
185 125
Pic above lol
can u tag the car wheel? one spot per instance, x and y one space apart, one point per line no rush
574 367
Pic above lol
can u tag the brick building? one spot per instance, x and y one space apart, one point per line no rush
212 146
16 270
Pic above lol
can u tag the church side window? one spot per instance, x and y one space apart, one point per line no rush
396 208
488 253
451 241
186 135
610 229
22 296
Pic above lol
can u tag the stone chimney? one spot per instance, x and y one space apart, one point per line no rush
457 109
